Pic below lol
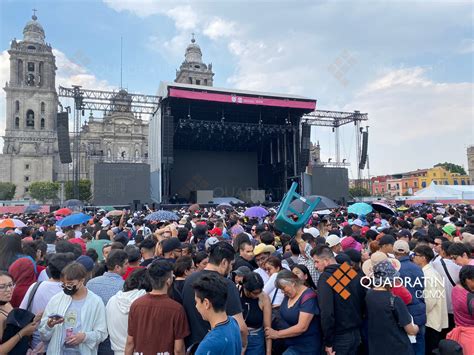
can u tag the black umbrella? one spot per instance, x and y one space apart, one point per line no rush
383 208
73 203
325 203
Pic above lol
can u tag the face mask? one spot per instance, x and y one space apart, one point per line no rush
70 291
3 303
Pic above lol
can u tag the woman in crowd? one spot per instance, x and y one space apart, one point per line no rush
257 312
273 267
389 322
463 308
11 340
118 307
300 311
10 250
183 267
200 260
23 273
303 274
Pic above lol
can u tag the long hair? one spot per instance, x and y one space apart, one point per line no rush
10 248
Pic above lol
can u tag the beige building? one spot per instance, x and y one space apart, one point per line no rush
30 151
193 70
470 163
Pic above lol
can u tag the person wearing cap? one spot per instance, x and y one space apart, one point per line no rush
334 243
434 296
403 234
88 264
449 231
172 249
386 244
220 262
356 226
389 321
210 242
147 313
341 318
262 252
412 273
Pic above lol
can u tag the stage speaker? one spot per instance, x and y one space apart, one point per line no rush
363 156
63 138
305 145
167 140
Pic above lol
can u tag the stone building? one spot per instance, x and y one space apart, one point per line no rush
193 70
470 163
30 151
119 136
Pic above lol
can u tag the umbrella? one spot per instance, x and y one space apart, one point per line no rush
360 208
114 213
63 212
73 220
162 215
11 223
224 206
324 204
194 208
256 212
32 208
403 208
382 208
73 203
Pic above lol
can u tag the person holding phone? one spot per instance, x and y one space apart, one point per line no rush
73 322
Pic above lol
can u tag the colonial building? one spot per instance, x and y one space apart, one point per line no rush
470 163
119 136
193 70
30 151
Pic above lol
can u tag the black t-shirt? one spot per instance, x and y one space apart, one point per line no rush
198 326
386 333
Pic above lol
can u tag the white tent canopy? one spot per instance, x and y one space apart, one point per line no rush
445 192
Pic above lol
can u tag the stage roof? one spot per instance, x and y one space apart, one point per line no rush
241 97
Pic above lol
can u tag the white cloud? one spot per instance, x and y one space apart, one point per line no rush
184 17
416 122
467 46
219 27
141 8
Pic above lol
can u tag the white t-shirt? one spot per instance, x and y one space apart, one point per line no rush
270 290
262 273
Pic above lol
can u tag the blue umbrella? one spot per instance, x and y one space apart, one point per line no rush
162 215
73 220
360 208
256 212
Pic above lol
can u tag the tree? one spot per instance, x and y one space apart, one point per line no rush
7 190
85 192
359 192
453 168
44 190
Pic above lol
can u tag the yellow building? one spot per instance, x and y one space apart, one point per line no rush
441 176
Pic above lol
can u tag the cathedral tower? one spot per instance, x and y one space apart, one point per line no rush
193 70
30 141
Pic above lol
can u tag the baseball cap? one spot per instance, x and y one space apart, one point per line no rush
418 222
216 231
171 244
210 242
401 246
86 261
449 229
241 271
404 233
105 222
312 230
387 239
357 222
332 240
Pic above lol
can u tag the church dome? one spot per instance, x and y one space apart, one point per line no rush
193 52
33 31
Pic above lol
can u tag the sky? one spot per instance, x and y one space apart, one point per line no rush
408 64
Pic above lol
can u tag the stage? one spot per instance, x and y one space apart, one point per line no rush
229 142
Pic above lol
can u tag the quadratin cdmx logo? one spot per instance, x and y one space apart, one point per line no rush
341 278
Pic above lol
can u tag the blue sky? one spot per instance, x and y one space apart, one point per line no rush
408 64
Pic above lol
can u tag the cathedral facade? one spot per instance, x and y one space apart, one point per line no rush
30 150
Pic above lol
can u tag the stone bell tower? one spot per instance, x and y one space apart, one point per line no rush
30 143
193 70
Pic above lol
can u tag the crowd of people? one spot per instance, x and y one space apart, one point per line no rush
214 281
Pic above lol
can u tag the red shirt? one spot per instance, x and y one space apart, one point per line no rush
129 271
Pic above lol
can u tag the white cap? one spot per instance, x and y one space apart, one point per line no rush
105 222
332 240
210 242
312 230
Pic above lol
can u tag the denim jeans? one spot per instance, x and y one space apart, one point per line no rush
347 343
295 350
419 346
256 342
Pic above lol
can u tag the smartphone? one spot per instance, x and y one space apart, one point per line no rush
55 316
